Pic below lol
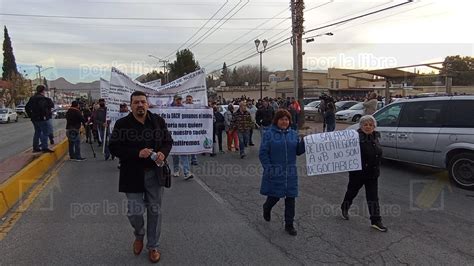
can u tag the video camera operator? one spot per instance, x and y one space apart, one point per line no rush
323 107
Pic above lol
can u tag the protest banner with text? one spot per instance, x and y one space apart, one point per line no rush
332 152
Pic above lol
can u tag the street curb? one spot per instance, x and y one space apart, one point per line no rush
13 189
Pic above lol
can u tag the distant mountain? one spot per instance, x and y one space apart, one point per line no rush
61 84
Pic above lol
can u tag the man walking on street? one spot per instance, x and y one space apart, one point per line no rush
189 103
132 142
242 122
38 109
184 159
264 117
74 119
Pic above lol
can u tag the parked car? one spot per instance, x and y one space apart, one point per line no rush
20 110
344 105
308 100
432 131
7 115
60 113
312 108
353 114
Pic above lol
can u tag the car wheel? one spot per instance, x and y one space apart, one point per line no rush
461 170
356 118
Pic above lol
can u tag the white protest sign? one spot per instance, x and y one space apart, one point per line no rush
332 152
190 128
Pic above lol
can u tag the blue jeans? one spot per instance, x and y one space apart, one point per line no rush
41 133
262 130
243 140
184 162
74 140
151 201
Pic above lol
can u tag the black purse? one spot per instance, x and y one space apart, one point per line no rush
163 174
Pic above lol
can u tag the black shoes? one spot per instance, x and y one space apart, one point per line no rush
379 226
47 151
251 144
345 214
36 150
267 214
290 229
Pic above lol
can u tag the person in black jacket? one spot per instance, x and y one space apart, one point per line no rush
74 120
39 109
371 154
264 116
135 138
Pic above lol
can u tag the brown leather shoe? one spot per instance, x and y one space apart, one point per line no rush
137 247
154 255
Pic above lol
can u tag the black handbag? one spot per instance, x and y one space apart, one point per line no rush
163 174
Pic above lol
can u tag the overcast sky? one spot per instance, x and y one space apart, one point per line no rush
81 40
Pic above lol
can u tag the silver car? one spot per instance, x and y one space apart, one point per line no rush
433 131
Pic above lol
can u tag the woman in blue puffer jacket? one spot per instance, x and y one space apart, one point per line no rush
278 150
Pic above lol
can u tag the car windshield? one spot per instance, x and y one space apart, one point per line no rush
358 106
3 111
313 104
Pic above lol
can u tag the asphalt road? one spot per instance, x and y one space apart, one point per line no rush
216 219
18 137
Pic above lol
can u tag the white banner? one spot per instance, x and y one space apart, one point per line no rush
190 128
154 84
332 152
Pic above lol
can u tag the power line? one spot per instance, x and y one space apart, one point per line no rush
213 15
132 18
195 44
323 27
244 44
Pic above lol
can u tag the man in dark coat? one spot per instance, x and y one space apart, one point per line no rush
38 109
134 139
74 120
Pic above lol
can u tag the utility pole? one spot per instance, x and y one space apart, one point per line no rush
39 73
295 50
165 67
297 7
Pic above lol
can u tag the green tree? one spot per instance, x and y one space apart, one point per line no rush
234 78
225 75
153 75
460 68
184 64
9 64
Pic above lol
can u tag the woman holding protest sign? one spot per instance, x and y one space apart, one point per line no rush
278 150
371 154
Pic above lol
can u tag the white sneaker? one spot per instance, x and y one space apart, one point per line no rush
188 176
176 174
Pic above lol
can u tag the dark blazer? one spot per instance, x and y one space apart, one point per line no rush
371 155
126 145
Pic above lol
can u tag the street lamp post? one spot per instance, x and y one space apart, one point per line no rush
264 44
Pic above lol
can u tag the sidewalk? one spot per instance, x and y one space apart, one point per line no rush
79 219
